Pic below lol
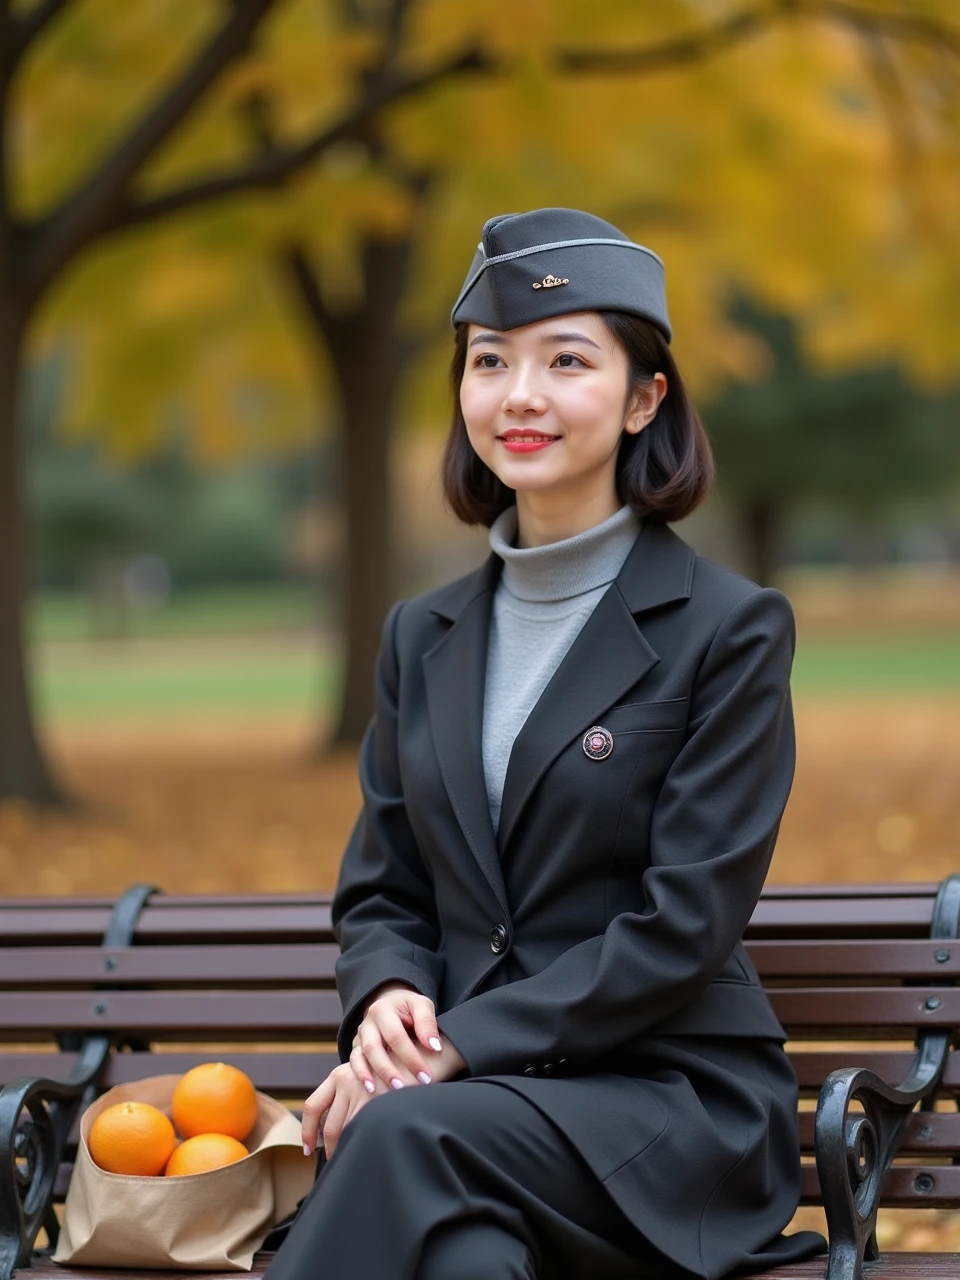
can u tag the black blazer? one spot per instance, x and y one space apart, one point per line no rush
621 886
606 914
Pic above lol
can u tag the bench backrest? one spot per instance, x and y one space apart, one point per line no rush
851 970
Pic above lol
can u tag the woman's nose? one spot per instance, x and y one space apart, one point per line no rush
523 394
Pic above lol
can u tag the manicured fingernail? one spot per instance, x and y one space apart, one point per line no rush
369 1086
423 1077
435 1044
306 1149
396 1083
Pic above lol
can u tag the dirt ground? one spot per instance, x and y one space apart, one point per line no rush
253 805
238 805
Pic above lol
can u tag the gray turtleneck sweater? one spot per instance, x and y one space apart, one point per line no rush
544 596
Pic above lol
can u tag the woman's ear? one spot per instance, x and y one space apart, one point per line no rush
645 402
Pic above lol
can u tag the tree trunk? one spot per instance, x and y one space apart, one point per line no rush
23 770
368 357
760 525
367 583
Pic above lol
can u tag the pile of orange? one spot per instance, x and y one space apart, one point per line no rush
214 1107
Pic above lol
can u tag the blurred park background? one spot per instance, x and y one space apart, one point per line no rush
230 235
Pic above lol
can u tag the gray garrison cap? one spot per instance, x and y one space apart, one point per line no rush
548 262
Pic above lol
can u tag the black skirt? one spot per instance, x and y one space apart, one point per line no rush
487 1176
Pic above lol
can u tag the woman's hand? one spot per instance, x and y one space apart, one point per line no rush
387 1047
332 1106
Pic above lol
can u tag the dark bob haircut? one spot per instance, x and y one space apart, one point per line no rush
664 472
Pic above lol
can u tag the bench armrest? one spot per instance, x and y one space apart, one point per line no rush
36 1116
855 1149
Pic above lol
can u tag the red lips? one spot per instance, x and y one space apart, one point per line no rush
518 441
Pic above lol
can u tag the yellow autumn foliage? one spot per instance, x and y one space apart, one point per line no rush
813 163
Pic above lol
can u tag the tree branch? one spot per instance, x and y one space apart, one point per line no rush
895 103
915 27
104 204
24 30
751 21
90 210
892 97
272 166
672 53
294 259
396 22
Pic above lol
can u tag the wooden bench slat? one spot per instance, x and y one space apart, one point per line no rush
899 1188
44 1269
902 917
854 889
166 1014
903 958
73 966
892 1266
270 961
294 1074
161 900
814 1065
906 909
928 1133
197 920
277 961
295 1069
868 1010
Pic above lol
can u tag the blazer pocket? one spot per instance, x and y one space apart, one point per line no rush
666 716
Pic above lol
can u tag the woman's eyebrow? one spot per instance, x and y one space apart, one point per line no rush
570 337
494 339
500 340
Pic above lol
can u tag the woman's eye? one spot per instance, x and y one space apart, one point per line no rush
487 361
567 360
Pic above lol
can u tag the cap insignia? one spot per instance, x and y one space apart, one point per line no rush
549 282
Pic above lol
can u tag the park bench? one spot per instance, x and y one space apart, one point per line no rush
94 994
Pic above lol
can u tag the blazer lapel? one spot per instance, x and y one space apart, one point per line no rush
455 671
608 656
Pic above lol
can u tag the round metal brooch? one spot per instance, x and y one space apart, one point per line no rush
598 742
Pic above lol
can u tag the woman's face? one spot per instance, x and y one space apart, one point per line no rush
545 406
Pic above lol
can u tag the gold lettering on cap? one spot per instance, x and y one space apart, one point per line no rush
549 282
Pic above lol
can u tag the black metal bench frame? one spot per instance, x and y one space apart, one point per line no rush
31 1149
859 1124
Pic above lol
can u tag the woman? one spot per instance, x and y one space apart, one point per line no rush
557 1057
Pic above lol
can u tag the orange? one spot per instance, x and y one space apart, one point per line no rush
204 1152
214 1098
132 1137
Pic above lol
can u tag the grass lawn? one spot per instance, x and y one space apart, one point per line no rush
191 680
264 650
249 610
908 663
245 649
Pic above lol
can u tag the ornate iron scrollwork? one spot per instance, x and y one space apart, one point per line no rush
36 1117
855 1149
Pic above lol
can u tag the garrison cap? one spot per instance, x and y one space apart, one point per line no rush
548 262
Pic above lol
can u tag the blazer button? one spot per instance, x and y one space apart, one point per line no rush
530 1069
498 939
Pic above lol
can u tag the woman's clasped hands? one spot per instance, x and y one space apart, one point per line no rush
397 1044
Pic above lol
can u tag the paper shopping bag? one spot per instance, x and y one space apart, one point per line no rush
211 1221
